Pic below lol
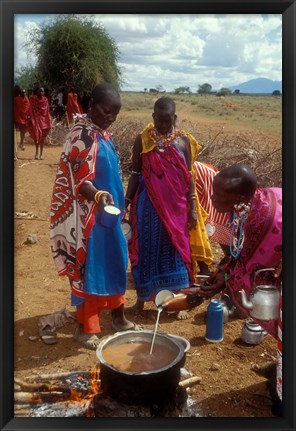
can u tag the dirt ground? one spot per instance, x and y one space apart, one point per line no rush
228 387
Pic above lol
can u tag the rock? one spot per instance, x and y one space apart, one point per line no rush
31 239
33 338
215 366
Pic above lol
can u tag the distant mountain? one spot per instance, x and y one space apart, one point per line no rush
259 85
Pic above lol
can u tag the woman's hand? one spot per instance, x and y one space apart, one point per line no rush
105 199
213 285
278 270
192 218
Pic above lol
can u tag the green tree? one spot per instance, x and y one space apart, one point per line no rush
182 90
276 93
75 51
204 88
26 77
224 92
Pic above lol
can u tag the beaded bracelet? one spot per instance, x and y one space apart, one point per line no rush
192 198
136 173
190 195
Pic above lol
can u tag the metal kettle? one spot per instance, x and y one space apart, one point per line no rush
264 301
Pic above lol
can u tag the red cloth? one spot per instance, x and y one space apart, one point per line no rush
88 312
21 110
73 107
39 122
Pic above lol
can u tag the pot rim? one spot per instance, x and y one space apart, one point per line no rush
177 359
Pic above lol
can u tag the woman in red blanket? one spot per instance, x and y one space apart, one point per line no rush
73 106
21 111
39 121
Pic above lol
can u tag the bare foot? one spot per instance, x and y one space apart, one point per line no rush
137 308
120 322
183 315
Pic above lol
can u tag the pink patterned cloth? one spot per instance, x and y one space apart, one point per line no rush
172 211
279 355
262 249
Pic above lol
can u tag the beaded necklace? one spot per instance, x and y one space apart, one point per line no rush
237 237
163 141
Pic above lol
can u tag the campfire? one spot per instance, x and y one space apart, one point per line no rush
80 394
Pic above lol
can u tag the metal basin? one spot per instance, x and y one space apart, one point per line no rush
136 387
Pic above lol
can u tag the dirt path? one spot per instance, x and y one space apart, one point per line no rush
228 388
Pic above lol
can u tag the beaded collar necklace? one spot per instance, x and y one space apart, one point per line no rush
162 141
237 237
85 118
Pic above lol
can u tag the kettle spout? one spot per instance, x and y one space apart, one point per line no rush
245 303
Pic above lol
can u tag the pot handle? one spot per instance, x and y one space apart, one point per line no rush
261 270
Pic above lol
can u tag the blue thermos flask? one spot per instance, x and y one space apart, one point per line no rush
214 331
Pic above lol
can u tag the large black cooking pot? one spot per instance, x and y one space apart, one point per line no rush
147 386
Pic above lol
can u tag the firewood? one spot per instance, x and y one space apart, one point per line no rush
41 387
57 376
35 397
191 381
22 407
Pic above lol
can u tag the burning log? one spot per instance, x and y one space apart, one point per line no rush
65 400
59 376
37 387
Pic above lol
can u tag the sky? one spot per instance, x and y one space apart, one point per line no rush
183 50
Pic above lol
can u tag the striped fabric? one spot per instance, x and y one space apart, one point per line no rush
279 355
217 224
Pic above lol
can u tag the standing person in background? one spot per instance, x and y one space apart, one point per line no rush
73 107
85 102
39 120
218 224
92 256
60 105
169 238
21 112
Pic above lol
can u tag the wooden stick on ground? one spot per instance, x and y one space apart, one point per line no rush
39 397
41 387
191 381
57 376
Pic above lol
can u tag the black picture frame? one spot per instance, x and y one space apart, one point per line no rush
7 11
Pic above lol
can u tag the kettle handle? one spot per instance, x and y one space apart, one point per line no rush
261 270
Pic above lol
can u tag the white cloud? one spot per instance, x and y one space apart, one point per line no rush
176 50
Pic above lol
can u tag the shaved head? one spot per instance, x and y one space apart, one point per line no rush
239 179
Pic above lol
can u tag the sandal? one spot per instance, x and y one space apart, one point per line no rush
135 327
49 339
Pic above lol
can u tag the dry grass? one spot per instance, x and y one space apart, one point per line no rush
248 131
221 149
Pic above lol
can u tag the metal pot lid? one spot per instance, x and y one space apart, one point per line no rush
251 325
